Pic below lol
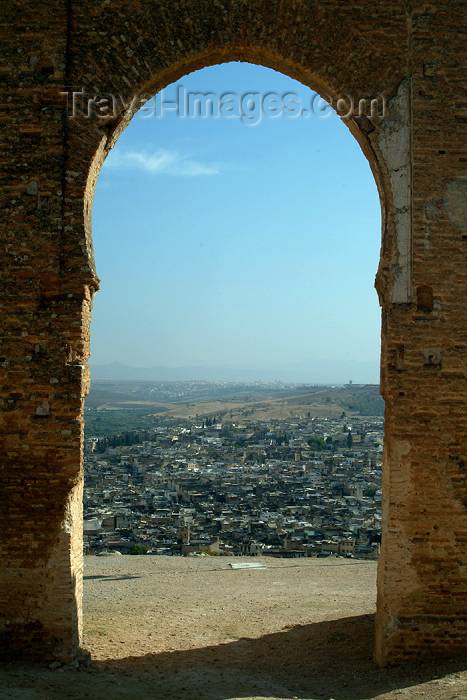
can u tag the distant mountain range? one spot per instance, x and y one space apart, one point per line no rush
295 373
118 371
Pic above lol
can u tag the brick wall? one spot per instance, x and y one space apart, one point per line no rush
412 52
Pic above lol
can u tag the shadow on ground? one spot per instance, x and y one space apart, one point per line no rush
330 659
102 577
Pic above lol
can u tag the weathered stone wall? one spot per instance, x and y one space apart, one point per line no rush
409 51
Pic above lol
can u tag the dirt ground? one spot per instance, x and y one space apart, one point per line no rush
236 411
172 628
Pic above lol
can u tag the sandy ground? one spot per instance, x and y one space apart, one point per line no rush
172 628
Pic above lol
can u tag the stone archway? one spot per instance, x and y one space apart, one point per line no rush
131 48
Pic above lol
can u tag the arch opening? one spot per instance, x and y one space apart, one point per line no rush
157 165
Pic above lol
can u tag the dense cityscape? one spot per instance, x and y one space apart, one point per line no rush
304 485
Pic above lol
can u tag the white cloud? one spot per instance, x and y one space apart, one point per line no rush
161 162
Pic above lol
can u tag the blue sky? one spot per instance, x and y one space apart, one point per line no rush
219 243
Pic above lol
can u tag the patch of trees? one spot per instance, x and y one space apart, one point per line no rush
366 403
138 549
282 439
127 438
318 443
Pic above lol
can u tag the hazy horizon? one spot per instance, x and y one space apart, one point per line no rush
119 371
